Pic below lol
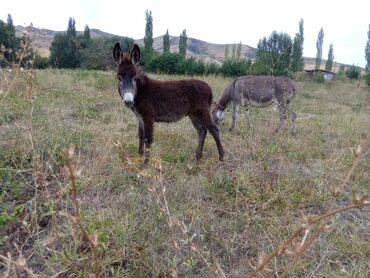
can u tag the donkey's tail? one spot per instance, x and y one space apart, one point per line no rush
210 98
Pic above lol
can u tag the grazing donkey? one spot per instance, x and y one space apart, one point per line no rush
257 91
163 101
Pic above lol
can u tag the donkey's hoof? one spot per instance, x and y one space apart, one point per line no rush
198 157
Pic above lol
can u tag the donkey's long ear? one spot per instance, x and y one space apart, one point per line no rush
117 51
135 54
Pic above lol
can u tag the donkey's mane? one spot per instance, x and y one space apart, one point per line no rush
225 99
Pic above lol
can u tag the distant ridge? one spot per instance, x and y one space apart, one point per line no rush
208 52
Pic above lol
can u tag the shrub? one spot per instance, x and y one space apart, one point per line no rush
320 78
41 62
234 67
367 78
353 72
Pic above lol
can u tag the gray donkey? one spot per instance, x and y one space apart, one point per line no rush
257 91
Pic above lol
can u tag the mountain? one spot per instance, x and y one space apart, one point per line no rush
208 52
42 38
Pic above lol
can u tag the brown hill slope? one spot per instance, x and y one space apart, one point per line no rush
42 39
208 52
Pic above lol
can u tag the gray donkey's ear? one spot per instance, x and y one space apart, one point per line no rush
117 52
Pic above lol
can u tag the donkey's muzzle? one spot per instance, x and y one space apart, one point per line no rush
129 103
128 99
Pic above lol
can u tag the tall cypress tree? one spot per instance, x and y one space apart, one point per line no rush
319 43
166 42
183 43
148 39
227 52
11 43
64 52
329 62
233 51
367 51
239 51
71 30
297 55
87 35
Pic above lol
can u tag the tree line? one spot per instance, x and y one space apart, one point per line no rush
277 54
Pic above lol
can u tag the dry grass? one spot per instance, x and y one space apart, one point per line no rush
176 217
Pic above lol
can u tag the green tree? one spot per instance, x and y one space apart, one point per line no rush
8 41
98 53
227 52
353 72
274 54
329 62
71 30
183 43
367 51
233 52
297 55
239 51
87 35
233 67
166 42
40 62
367 78
64 52
85 39
319 43
148 39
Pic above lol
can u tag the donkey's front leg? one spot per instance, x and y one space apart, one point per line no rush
234 115
141 139
148 138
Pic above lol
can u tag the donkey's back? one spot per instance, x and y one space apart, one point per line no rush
172 100
261 91
258 91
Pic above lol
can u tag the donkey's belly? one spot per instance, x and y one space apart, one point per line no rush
260 104
169 117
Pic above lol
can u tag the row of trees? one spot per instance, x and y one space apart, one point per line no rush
277 54
69 50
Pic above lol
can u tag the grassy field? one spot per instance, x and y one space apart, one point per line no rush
176 218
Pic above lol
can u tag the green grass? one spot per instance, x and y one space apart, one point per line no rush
231 212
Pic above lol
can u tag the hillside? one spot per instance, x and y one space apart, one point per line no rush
42 39
201 49
208 52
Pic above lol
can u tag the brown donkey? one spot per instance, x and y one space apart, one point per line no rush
163 101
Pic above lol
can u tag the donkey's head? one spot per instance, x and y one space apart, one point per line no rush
217 114
127 72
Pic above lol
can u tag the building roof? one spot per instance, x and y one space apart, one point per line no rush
319 70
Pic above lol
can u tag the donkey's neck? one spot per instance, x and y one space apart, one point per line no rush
225 99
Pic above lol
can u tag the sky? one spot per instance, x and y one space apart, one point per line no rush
345 23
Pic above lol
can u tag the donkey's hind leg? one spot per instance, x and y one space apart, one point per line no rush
234 115
202 132
293 128
282 106
206 121
247 114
